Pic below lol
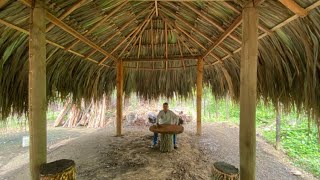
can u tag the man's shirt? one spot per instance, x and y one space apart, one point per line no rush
168 117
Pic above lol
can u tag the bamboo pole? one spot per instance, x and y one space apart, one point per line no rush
119 96
248 92
37 88
199 93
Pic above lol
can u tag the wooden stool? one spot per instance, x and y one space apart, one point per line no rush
63 169
224 171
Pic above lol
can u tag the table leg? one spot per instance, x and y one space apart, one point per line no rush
166 143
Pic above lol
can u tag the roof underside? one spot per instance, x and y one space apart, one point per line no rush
159 43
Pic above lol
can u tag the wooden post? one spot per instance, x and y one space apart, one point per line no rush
278 127
37 88
248 86
199 93
119 96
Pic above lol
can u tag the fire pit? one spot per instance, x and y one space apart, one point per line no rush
166 131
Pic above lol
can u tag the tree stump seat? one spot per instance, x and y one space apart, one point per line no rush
224 171
166 131
63 169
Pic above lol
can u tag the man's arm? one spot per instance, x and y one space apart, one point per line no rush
158 117
175 118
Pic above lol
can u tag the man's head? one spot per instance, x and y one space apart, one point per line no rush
165 106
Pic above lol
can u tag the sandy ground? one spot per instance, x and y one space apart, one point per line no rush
100 155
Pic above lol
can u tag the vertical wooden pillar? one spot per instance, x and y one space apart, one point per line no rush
248 86
37 89
119 96
199 93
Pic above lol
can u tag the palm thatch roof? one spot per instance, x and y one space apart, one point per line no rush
160 43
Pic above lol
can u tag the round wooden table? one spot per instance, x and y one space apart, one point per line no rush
166 131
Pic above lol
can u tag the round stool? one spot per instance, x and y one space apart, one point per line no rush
63 169
224 171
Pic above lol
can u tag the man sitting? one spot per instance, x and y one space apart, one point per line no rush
166 116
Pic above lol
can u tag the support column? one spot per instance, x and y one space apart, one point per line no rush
119 96
248 92
199 93
37 89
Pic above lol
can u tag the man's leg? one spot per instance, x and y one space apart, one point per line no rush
175 141
155 139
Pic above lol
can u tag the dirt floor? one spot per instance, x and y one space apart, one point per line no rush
100 155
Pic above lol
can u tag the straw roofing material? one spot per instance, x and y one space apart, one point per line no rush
160 52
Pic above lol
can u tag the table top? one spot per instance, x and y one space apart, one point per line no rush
167 129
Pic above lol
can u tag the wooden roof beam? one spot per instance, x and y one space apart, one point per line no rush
119 31
224 35
147 20
161 59
67 12
197 42
178 37
156 6
294 7
280 25
133 33
71 31
3 3
177 17
10 25
105 18
215 24
262 27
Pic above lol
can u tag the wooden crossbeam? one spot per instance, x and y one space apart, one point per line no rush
161 59
224 35
215 24
71 31
294 7
68 12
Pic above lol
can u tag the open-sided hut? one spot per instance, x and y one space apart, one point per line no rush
249 48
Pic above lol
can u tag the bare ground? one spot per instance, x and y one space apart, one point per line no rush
100 155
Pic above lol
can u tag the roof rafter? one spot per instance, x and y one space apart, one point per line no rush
133 33
136 37
261 26
48 41
68 12
71 31
294 7
284 23
218 26
3 3
118 32
224 35
192 27
105 18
